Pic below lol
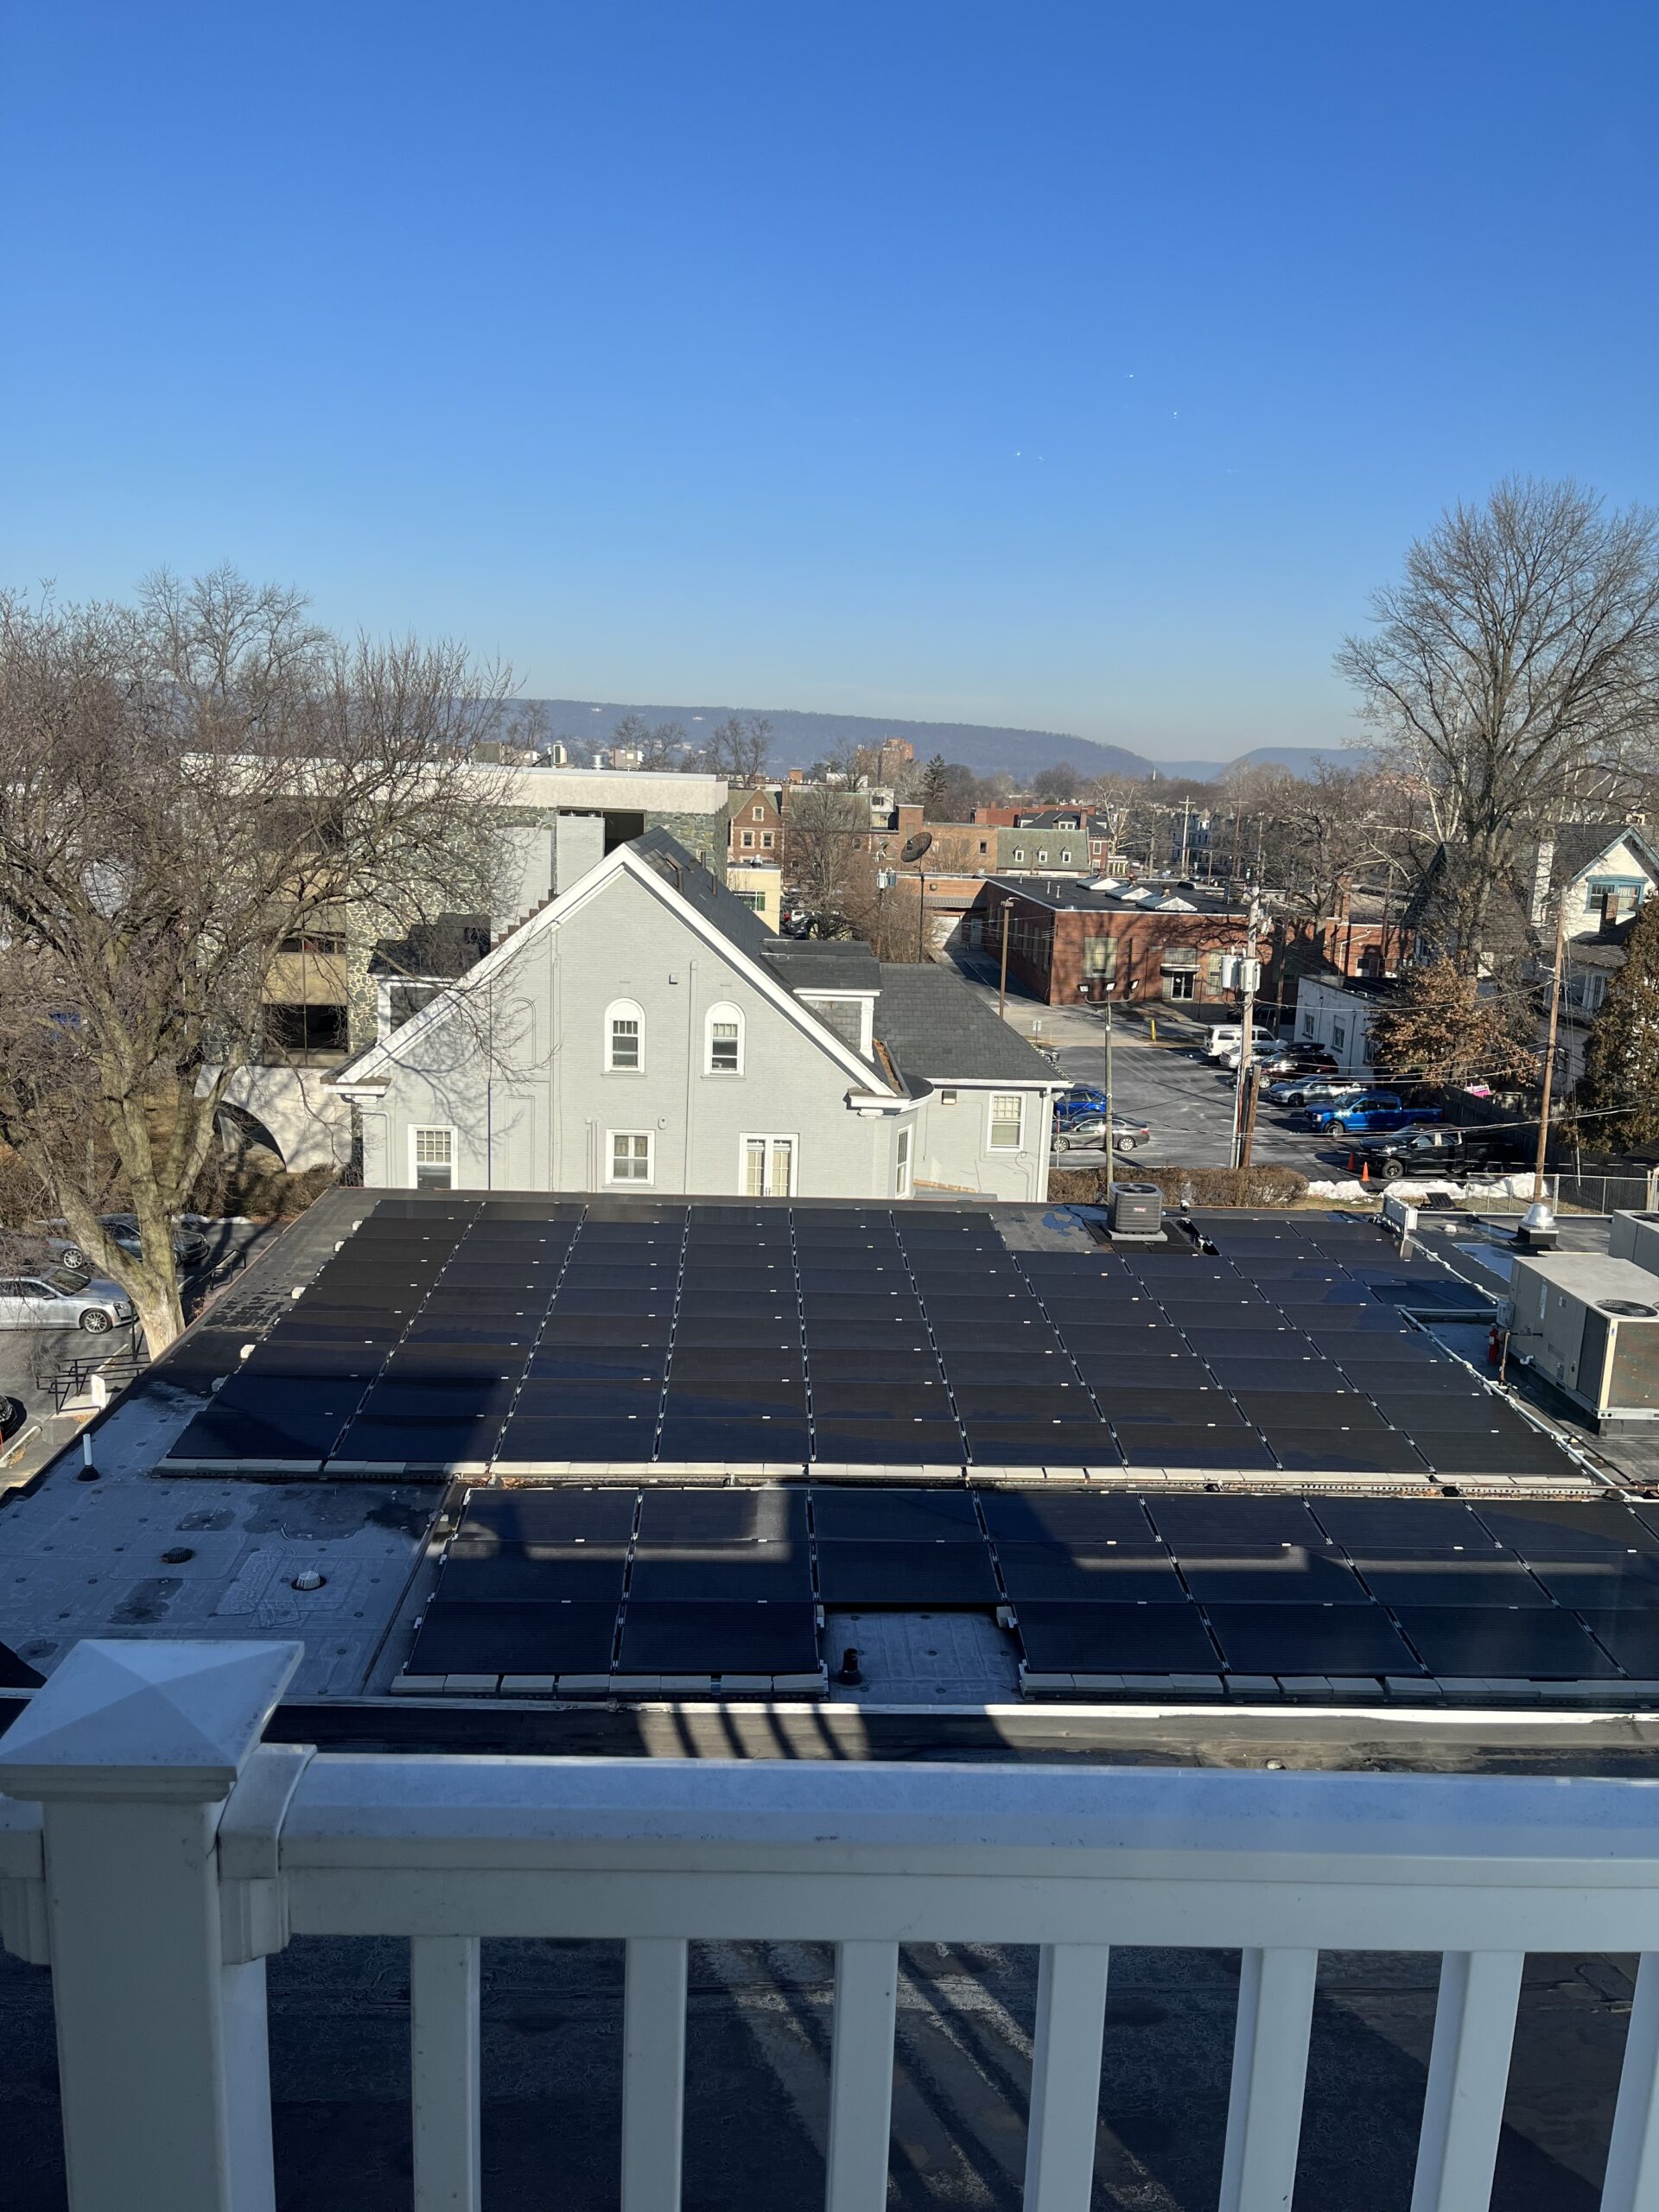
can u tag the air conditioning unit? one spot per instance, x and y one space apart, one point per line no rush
1137 1210
1635 1236
1591 1325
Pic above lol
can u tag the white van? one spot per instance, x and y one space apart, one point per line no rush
1227 1040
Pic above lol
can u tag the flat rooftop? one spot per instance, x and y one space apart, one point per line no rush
508 1449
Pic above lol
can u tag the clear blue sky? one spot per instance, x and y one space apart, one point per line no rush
1077 366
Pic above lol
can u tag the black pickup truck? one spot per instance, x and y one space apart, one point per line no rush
1439 1151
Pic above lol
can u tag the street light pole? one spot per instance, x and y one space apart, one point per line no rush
1549 1056
921 914
1111 1152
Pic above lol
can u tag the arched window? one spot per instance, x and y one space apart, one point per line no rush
624 1038
723 1041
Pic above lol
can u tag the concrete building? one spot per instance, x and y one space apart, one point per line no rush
645 1031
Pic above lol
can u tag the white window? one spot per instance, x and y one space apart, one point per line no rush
768 1167
1008 1122
432 1155
723 1054
903 1183
1065 856
1042 856
1018 853
630 1160
625 1038
759 813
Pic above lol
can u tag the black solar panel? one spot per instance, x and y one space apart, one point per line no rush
1288 1574
771 1515
1062 1639
944 1576
700 1639
722 1574
1538 1644
533 1639
548 1574
901 1517
1466 1578
1390 1526
1139 1574
551 1516
1607 1583
1565 1529
1089 1519
1310 1640
1224 1524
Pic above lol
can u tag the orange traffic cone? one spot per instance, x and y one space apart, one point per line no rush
1364 1171
1352 1163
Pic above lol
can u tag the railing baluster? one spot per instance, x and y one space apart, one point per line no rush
1264 2117
1065 2077
1468 2076
861 2076
443 2037
1632 2179
653 2074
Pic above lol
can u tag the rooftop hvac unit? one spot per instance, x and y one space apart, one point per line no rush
1591 1325
1137 1210
1635 1236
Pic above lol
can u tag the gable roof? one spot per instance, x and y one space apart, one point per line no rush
1580 845
701 901
936 1029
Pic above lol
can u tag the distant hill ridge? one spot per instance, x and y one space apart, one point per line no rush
798 739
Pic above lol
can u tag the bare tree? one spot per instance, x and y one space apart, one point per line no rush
823 831
192 783
1057 785
737 748
1512 673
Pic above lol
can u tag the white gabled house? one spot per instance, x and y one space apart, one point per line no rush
645 1031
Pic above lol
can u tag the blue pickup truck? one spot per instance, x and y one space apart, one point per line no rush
1366 1111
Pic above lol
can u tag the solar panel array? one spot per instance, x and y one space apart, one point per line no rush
552 1336
585 1589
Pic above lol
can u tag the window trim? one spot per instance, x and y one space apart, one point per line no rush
624 1010
904 1162
992 1117
646 1182
723 1010
416 1131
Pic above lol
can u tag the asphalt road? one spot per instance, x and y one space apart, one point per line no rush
1187 1101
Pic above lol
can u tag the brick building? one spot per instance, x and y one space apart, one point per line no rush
1067 941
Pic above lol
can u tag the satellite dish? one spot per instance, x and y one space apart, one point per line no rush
916 846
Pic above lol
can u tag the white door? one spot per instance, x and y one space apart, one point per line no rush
903 1180
768 1167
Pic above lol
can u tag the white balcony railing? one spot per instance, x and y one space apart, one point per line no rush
153 1854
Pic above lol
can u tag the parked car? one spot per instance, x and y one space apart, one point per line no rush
13 1414
1365 1111
63 1297
1229 1036
1309 1090
190 1247
1418 1150
1080 1122
1314 1059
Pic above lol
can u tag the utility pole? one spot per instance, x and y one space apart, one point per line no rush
1549 1053
1111 1152
1002 988
1186 819
1243 1126
921 915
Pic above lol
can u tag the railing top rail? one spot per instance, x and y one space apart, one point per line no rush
393 1810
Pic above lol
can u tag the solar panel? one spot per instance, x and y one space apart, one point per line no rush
1461 1579
1221 1524
1285 1574
418 1443
906 1516
1086 1518
767 1513
1391 1526
530 1639
1164 1444
722 1575
1143 1574
1631 1634
550 1573
701 1639
1093 1639
1537 1644
1310 1640
534 1441
1563 1530
921 1575
551 1516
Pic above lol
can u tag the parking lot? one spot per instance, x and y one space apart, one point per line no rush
36 1364
1186 1101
